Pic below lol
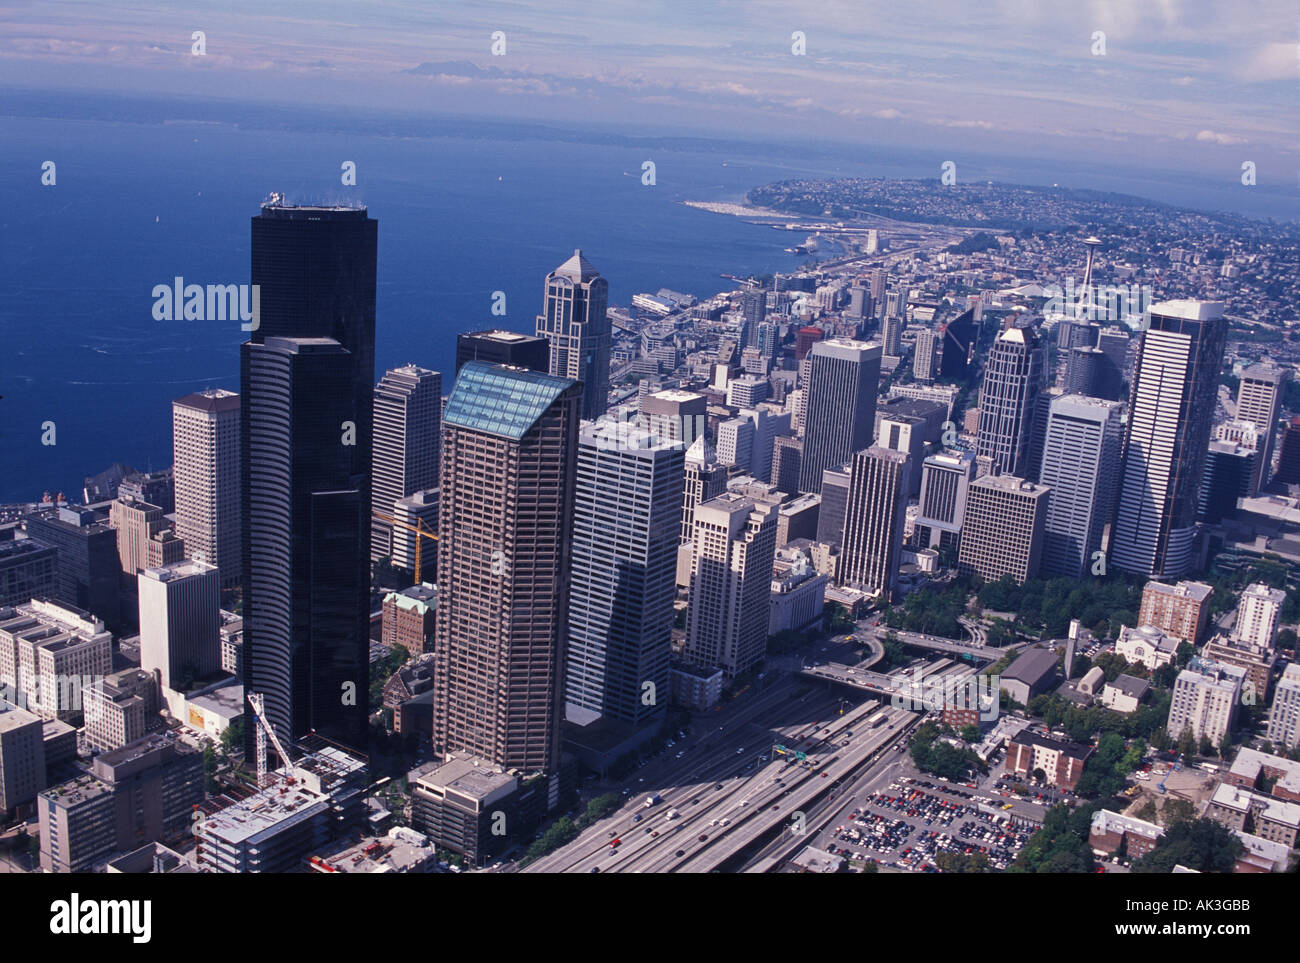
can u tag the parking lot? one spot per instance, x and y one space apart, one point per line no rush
908 824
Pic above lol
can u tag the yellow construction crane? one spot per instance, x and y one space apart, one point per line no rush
420 532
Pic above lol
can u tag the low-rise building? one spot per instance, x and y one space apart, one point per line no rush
1147 645
1061 762
408 618
402 850
1125 694
1264 816
467 805
694 687
22 758
1110 830
1031 674
1252 769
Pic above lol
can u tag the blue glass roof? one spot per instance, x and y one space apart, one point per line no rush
500 400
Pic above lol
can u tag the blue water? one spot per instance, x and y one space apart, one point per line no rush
135 205
464 210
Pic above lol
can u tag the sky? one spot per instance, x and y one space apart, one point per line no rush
1180 84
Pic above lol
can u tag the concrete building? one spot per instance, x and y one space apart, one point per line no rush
141 793
1259 661
1181 610
1265 816
22 758
457 803
706 479
1284 716
798 519
407 445
625 536
905 433
574 323
798 595
925 361
87 569
510 442
1259 610
731 572
27 569
1175 384
873 521
1259 400
144 537
1125 694
1003 530
277 828
1205 699
674 415
1080 463
48 654
1110 831
205 442
180 622
121 708
786 456
945 482
843 382
694 687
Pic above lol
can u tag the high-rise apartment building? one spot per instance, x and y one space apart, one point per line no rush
1003 531
575 324
510 440
925 362
1205 699
626 522
730 582
1259 401
1013 381
1181 611
1259 613
408 427
205 443
1284 716
843 382
1175 383
1080 464
873 523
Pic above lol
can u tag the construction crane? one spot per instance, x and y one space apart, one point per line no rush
264 730
420 532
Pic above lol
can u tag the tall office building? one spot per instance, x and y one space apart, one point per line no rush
180 623
786 455
1288 462
804 340
510 441
1259 401
205 442
408 428
925 362
873 524
1003 532
1080 465
892 333
753 305
626 521
674 415
843 381
87 568
27 569
144 537
1175 382
503 347
834 508
574 322
1226 478
1013 381
22 757
1113 367
1083 371
706 479
307 376
730 582
905 433
945 481
306 552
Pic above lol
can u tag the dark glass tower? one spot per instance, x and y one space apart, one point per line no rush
307 377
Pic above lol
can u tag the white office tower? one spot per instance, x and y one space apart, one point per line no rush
730 583
407 445
180 623
706 478
1284 718
416 513
1259 401
873 521
1175 384
945 479
1205 699
1258 614
840 408
1013 380
623 574
1080 464
205 443
736 444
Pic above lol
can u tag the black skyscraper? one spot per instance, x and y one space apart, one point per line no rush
503 347
307 377
958 336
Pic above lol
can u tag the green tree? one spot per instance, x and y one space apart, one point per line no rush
970 732
1187 744
1200 844
1177 811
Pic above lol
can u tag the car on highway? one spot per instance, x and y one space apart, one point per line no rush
703 837
740 750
